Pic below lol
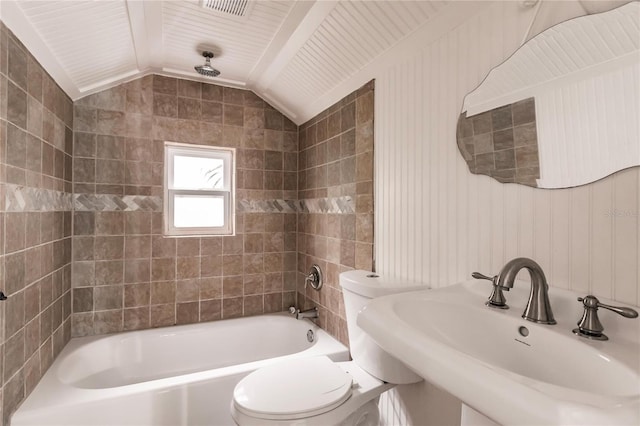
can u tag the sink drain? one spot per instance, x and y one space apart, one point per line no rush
524 331
310 336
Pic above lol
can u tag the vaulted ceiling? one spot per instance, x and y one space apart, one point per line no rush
289 52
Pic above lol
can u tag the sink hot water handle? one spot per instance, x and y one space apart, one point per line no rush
589 325
496 299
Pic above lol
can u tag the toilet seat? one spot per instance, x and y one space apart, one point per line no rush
292 390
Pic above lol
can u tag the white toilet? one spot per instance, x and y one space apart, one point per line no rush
318 391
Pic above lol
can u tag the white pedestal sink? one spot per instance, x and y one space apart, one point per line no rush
511 370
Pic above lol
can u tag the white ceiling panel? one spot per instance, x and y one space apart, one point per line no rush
289 52
90 39
238 43
350 37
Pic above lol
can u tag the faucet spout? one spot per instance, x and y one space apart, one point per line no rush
309 313
538 307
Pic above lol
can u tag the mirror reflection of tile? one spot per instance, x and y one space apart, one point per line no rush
502 143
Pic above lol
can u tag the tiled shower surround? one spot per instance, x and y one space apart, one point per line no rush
81 244
336 165
126 275
36 120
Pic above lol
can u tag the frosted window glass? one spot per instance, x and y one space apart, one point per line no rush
191 211
198 173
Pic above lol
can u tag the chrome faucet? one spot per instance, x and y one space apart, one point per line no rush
538 308
309 313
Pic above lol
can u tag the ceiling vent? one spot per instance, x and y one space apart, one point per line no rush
237 8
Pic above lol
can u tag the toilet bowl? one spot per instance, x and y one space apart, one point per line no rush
318 391
312 391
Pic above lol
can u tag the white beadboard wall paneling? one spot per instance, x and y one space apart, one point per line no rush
414 122
496 225
402 196
526 235
423 218
433 213
447 65
625 216
543 231
580 219
602 226
560 239
437 222
461 196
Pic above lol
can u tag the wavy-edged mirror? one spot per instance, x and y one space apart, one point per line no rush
564 109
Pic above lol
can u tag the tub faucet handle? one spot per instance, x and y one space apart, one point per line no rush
314 278
292 310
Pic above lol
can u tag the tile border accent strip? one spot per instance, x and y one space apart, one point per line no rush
28 199
267 206
111 202
335 205
22 199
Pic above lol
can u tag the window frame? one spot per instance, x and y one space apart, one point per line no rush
228 157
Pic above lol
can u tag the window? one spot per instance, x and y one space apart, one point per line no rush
198 190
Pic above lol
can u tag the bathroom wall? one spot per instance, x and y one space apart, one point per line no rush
437 223
126 275
335 225
36 122
449 222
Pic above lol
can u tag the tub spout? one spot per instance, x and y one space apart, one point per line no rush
309 313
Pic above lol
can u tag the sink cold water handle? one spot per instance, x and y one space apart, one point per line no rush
589 325
625 312
496 299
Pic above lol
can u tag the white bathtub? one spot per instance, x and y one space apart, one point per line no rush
181 375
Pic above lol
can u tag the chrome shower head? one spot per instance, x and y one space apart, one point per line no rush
207 70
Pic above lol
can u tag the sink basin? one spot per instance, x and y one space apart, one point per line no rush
511 370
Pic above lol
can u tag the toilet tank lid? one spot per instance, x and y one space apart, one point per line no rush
370 284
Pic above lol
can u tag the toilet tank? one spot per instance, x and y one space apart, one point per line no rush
358 287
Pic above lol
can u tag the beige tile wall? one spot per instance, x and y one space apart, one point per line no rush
35 246
336 159
126 275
